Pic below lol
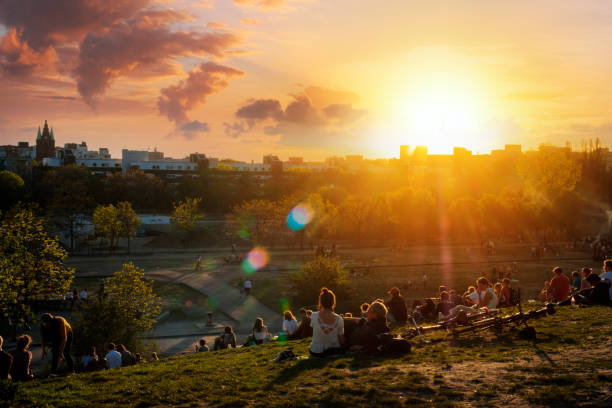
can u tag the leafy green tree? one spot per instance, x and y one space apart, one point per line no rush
129 221
320 271
186 213
31 263
550 172
128 308
106 221
12 189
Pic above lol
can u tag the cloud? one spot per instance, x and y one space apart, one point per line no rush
209 78
195 126
264 4
249 21
299 116
136 43
17 58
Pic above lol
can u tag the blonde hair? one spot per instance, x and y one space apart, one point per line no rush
379 309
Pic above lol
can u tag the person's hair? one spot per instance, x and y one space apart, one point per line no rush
506 280
202 341
309 313
575 274
586 271
593 279
327 299
557 270
444 295
121 348
608 263
23 342
46 318
138 357
92 351
111 346
228 329
452 292
471 289
154 356
303 311
288 315
442 289
259 323
394 291
379 309
482 281
497 286
364 307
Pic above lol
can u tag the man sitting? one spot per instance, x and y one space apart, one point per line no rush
304 329
113 357
598 294
397 306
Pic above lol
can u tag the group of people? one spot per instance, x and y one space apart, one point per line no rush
586 287
73 297
117 356
15 364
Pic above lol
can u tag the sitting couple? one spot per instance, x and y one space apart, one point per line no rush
483 297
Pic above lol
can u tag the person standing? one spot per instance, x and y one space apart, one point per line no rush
56 332
198 265
84 297
607 272
247 286
6 362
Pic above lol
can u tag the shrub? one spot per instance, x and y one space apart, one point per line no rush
320 271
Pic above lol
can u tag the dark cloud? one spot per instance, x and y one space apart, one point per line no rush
18 59
209 78
298 116
195 126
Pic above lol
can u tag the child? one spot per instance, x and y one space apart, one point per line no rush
506 294
202 346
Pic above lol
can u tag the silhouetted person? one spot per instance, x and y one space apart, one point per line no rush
57 333
6 362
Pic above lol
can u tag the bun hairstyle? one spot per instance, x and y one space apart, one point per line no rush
327 299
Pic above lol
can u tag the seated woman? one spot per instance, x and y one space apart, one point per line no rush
226 340
505 298
365 336
483 297
444 307
396 306
91 356
290 325
22 357
597 294
584 283
327 327
258 334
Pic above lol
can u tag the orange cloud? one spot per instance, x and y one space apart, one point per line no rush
264 4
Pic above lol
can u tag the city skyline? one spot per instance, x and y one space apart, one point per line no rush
243 78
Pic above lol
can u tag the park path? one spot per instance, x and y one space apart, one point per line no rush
229 300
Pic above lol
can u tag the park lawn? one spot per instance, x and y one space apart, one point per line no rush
568 365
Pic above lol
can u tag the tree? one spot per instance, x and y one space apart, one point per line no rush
12 189
129 221
106 221
186 213
550 172
320 271
129 308
31 264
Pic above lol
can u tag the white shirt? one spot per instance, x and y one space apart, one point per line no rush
113 358
88 359
608 276
290 326
476 296
247 284
69 295
325 336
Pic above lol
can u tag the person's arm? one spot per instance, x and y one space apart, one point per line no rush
233 340
63 333
485 299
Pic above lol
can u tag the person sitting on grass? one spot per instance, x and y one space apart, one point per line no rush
559 286
290 325
467 301
6 362
327 327
505 298
91 356
545 292
576 280
113 357
127 359
201 346
497 289
483 297
597 294
454 298
396 306
22 357
226 340
138 358
304 329
365 337
364 310
444 307
154 356
584 283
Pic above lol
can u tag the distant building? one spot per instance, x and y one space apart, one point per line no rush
17 159
420 151
155 155
404 152
296 160
270 158
45 143
461 152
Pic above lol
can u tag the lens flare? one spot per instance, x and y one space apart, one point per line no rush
256 259
211 303
299 216
284 304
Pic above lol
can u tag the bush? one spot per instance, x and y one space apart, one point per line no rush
319 272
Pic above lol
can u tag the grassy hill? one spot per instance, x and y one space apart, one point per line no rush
569 364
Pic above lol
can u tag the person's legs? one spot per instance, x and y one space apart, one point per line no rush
54 358
67 353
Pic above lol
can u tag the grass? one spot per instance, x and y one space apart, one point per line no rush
481 370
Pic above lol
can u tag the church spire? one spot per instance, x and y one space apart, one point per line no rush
52 138
38 135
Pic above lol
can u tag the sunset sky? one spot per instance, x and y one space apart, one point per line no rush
309 78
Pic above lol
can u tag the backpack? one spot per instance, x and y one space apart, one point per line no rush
396 346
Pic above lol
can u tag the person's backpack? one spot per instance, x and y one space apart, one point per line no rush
396 346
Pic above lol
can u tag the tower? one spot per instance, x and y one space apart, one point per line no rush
45 143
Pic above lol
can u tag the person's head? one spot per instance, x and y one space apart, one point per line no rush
154 356
442 289
91 351
394 292
228 329
327 299
309 313
202 342
444 296
482 283
377 311
364 307
121 348
23 342
452 292
557 270
111 346
586 272
259 323
607 265
471 289
288 315
497 287
138 357
506 282
46 319
575 274
546 284
303 312
348 314
593 279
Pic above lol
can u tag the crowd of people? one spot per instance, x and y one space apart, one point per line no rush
586 287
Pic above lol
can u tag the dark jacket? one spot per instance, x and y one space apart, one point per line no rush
397 306
366 334
21 365
6 361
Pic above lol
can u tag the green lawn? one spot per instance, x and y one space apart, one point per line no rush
568 365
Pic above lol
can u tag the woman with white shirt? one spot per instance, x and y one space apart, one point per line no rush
483 296
290 325
327 327
260 331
